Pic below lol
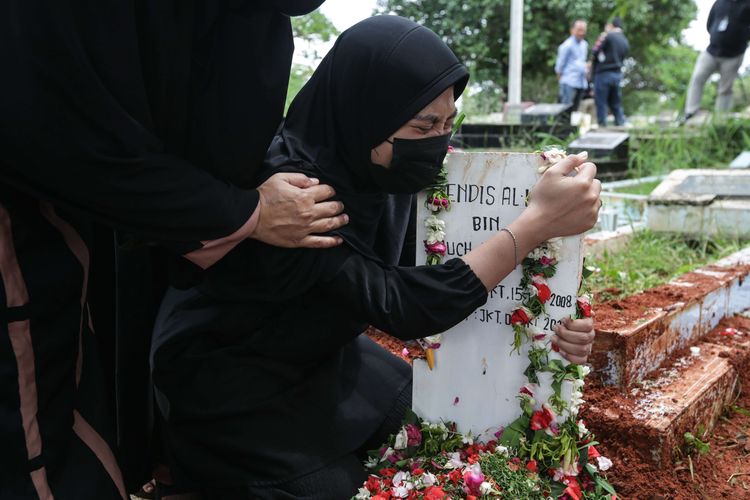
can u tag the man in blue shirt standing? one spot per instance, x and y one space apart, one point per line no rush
571 65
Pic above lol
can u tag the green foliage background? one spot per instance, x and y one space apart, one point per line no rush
478 31
657 74
311 28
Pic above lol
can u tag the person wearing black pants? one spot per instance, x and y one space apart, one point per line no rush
609 52
729 26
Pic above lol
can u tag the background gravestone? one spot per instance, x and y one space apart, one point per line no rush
609 150
476 379
544 113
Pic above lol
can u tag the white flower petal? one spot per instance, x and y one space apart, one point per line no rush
362 494
485 488
502 450
402 439
604 463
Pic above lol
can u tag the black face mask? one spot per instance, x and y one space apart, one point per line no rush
414 166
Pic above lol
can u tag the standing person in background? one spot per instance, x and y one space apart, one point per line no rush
571 65
729 27
608 54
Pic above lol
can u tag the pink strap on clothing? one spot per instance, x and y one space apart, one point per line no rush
101 450
16 295
213 250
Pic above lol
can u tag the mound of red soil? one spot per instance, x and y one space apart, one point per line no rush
722 473
616 314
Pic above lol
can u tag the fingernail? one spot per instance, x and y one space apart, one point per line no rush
346 219
314 180
555 347
583 155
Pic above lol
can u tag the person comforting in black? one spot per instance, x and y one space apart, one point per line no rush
266 384
152 118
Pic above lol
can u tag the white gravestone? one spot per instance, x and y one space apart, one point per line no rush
476 378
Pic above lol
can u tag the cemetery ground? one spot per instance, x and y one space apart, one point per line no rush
707 392
669 395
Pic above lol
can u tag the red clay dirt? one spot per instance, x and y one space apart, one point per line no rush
396 346
635 476
722 473
616 314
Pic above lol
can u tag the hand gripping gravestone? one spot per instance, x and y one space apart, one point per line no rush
476 378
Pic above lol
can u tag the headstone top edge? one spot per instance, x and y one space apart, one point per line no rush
495 153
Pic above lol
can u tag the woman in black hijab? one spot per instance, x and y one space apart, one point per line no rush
267 387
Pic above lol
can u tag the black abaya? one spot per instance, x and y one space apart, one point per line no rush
261 372
149 117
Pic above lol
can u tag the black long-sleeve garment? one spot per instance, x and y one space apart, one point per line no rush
261 385
728 24
261 372
152 117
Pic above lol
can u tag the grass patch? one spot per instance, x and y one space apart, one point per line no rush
659 150
515 480
651 259
644 188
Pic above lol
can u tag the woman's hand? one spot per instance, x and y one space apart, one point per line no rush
295 210
561 204
574 338
565 204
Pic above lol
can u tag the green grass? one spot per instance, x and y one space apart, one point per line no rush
644 188
515 481
659 150
652 259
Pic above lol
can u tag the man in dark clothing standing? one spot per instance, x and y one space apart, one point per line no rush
609 52
729 27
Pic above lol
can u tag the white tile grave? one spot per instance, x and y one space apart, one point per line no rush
476 378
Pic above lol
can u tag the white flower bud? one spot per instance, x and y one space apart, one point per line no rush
502 450
485 488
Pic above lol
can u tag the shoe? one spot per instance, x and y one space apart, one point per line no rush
682 120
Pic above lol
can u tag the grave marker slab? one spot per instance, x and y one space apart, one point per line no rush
742 160
476 379
601 144
545 113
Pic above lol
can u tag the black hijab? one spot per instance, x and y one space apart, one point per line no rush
380 73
